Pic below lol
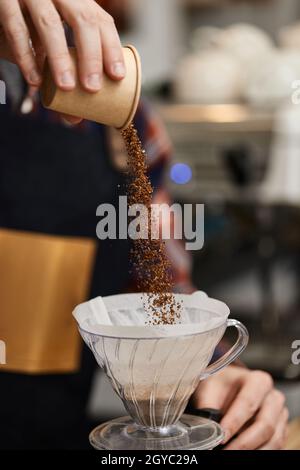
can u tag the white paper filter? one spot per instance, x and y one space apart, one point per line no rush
124 316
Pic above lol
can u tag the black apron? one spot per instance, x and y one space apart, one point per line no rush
52 178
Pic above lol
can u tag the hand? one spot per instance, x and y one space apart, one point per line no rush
255 415
40 22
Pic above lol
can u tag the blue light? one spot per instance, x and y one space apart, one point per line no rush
181 173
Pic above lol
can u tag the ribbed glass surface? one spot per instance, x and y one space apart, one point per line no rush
155 377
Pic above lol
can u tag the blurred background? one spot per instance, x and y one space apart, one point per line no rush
224 76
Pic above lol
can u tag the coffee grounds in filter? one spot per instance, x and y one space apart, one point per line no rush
148 256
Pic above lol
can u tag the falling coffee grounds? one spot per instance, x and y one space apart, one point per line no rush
148 256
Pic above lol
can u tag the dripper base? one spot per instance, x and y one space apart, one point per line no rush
191 432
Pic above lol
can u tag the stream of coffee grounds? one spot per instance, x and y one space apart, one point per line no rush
148 256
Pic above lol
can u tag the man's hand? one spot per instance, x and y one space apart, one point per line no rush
33 29
255 416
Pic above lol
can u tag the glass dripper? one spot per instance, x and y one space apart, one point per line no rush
155 370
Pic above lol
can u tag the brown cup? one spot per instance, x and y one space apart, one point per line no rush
114 105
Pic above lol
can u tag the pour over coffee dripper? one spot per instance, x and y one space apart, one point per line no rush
155 370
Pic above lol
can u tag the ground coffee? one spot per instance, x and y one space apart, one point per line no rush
148 255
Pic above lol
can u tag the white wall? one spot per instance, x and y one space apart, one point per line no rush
162 27
268 14
158 35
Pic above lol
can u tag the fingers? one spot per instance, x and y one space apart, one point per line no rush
84 19
264 426
255 388
112 50
52 36
96 38
39 51
214 393
278 440
18 37
97 42
90 65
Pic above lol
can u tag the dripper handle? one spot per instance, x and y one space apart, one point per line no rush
233 353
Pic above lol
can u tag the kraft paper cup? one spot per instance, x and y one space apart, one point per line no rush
114 104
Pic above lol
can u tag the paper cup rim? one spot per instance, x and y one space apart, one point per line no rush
138 87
